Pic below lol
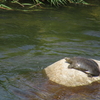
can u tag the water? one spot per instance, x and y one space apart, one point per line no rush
31 41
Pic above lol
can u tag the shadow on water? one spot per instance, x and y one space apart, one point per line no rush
31 41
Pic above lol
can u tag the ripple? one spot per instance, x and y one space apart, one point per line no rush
93 33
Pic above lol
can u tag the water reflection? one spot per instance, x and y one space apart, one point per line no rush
31 41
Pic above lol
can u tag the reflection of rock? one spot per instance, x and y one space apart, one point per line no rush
59 73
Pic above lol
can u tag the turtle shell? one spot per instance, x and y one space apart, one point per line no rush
84 64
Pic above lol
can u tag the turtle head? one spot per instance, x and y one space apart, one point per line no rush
68 60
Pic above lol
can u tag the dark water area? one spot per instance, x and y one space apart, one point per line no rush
31 41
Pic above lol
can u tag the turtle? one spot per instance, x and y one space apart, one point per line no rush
88 66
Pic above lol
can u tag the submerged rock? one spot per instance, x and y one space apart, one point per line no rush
59 73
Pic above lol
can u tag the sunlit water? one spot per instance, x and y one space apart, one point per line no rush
31 41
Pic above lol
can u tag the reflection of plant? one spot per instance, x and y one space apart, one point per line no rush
35 3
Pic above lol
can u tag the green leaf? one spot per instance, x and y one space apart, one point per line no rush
26 4
5 7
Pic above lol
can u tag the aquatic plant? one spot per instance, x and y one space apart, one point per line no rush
7 4
64 2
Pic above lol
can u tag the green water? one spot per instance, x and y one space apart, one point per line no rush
30 41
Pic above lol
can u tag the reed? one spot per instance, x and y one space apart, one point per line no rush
7 4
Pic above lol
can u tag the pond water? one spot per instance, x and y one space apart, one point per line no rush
31 41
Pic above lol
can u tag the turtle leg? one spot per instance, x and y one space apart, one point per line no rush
70 66
88 74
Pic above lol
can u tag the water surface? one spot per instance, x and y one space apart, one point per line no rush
30 41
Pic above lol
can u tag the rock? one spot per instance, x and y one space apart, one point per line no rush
59 73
